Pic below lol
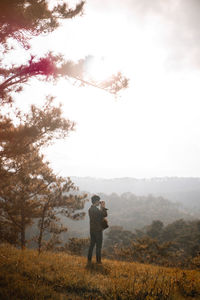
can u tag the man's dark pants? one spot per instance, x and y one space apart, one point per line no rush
96 238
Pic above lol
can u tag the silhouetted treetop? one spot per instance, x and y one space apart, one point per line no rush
33 17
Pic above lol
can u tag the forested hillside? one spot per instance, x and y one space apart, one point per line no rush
128 211
176 244
175 189
131 212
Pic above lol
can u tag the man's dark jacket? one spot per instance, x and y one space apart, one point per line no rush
96 217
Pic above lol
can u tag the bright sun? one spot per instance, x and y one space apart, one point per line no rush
99 69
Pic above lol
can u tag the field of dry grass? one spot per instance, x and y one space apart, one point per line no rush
25 275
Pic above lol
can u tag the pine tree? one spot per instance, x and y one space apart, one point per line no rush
28 187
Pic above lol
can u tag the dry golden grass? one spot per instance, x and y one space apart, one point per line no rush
25 275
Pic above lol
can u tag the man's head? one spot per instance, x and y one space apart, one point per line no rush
95 200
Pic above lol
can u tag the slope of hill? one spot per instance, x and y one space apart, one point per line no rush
25 275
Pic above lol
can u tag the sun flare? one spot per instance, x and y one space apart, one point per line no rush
99 69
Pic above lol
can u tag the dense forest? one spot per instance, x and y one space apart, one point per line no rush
176 244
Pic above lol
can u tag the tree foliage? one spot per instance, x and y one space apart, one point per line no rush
28 187
22 19
176 244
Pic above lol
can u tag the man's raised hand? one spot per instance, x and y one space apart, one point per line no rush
102 204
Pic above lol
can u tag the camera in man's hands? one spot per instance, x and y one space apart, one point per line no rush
102 203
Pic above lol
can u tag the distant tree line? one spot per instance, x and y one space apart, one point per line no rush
132 211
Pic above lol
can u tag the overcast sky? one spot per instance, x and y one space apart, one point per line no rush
153 129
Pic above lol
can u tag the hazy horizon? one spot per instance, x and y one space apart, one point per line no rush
138 178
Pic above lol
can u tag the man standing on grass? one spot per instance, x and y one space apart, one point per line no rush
96 216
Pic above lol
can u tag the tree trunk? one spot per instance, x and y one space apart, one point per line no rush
23 239
41 229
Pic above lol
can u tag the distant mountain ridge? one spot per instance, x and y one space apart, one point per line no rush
177 189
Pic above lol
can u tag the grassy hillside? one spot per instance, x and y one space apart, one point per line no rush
25 275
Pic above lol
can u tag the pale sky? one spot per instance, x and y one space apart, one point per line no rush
153 128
